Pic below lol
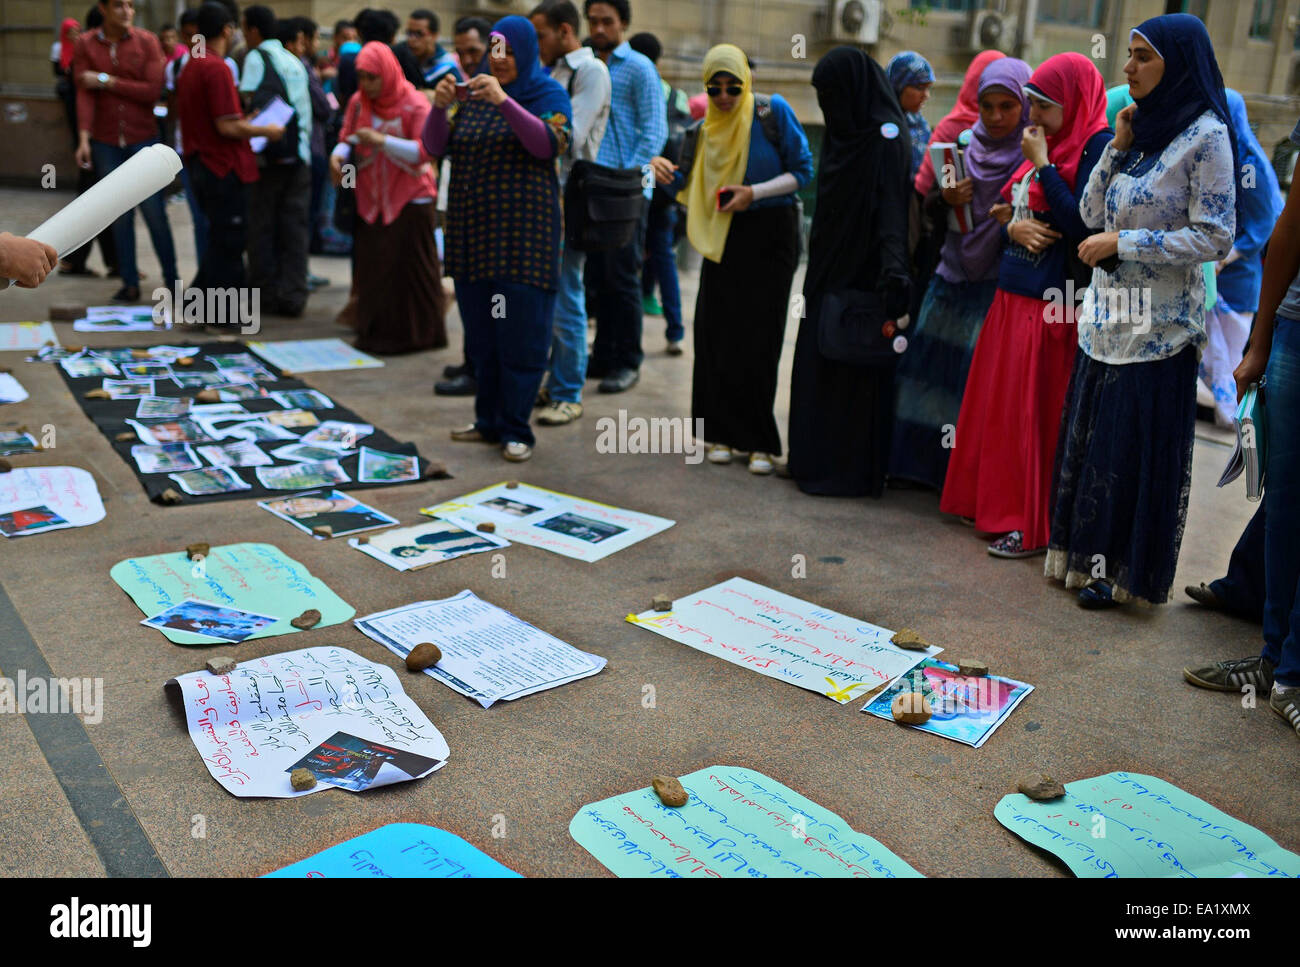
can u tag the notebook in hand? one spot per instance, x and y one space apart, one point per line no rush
1248 454
950 168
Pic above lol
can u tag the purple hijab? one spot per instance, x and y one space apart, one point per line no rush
989 163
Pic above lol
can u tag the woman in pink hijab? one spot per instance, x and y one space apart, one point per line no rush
397 303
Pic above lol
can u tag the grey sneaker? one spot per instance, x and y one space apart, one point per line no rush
1287 705
1232 676
559 413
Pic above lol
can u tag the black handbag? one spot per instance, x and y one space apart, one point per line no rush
602 206
854 328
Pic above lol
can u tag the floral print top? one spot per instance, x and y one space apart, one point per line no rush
1172 213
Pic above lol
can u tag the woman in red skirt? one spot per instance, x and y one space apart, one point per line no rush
1000 472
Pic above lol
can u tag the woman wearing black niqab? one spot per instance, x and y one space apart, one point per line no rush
841 414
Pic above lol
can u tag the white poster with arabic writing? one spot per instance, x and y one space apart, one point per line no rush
343 718
785 638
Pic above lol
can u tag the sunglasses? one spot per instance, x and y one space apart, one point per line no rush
733 90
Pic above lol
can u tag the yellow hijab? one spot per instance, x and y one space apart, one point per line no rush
721 155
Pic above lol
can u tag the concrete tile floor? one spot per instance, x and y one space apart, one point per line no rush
1109 694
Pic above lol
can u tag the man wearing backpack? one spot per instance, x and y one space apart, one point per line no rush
280 206
579 71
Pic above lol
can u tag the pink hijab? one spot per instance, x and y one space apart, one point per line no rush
384 185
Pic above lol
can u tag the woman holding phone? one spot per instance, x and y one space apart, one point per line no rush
750 156
503 225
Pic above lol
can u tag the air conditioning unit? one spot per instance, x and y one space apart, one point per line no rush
991 30
854 21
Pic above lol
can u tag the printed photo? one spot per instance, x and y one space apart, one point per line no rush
211 620
515 508
158 432
128 389
239 453
338 435
303 399
167 458
411 548
302 453
247 374
329 508
379 467
210 480
12 442
353 763
200 380
157 407
82 366
138 370
581 528
232 360
259 430
15 523
233 392
301 476
966 708
300 418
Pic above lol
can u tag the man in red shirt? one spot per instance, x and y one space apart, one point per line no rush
220 163
119 76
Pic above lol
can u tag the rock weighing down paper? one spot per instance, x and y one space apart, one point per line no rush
313 355
405 850
737 824
68 493
967 708
785 638
487 653
326 709
1128 824
250 577
567 525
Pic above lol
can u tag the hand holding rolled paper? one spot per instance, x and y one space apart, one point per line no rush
144 173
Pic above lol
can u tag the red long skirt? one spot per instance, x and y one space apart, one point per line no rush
1000 471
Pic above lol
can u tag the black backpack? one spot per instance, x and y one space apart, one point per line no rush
272 86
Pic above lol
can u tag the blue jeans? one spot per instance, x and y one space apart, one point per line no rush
661 267
569 331
1282 504
107 157
196 214
507 333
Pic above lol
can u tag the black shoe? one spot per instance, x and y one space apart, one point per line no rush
619 381
463 385
1097 596
127 294
451 372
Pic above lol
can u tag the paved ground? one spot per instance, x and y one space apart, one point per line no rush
122 796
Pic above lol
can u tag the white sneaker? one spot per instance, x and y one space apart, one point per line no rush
674 347
719 453
761 463
516 452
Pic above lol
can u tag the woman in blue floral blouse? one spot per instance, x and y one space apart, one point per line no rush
1164 197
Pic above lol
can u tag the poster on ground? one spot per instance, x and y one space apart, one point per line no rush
400 850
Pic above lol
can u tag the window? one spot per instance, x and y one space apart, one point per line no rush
1079 13
1195 7
959 5
1261 21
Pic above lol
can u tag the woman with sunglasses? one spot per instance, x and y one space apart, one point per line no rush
1000 471
503 225
740 215
841 414
1165 197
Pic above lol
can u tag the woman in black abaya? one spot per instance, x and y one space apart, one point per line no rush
841 414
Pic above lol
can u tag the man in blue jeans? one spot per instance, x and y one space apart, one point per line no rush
118 71
576 69
637 130
1274 353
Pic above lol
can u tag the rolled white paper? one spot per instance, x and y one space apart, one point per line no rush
147 171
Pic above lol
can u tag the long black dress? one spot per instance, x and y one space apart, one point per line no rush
841 414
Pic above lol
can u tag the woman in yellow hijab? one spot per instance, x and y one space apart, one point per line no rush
739 170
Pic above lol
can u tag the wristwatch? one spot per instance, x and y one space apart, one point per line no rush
1038 172
103 79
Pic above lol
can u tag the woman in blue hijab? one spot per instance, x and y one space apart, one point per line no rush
503 225
1163 199
910 75
1228 324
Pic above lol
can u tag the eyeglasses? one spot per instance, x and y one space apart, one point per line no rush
733 90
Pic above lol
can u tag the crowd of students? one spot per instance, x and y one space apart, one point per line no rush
1025 339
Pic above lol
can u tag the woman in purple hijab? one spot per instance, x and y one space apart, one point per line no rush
932 373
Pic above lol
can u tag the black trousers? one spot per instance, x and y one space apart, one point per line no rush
616 277
279 231
225 203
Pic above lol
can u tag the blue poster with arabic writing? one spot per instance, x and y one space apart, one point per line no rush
1127 824
737 823
400 850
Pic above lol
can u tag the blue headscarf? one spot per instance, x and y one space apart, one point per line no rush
906 68
532 88
1191 85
